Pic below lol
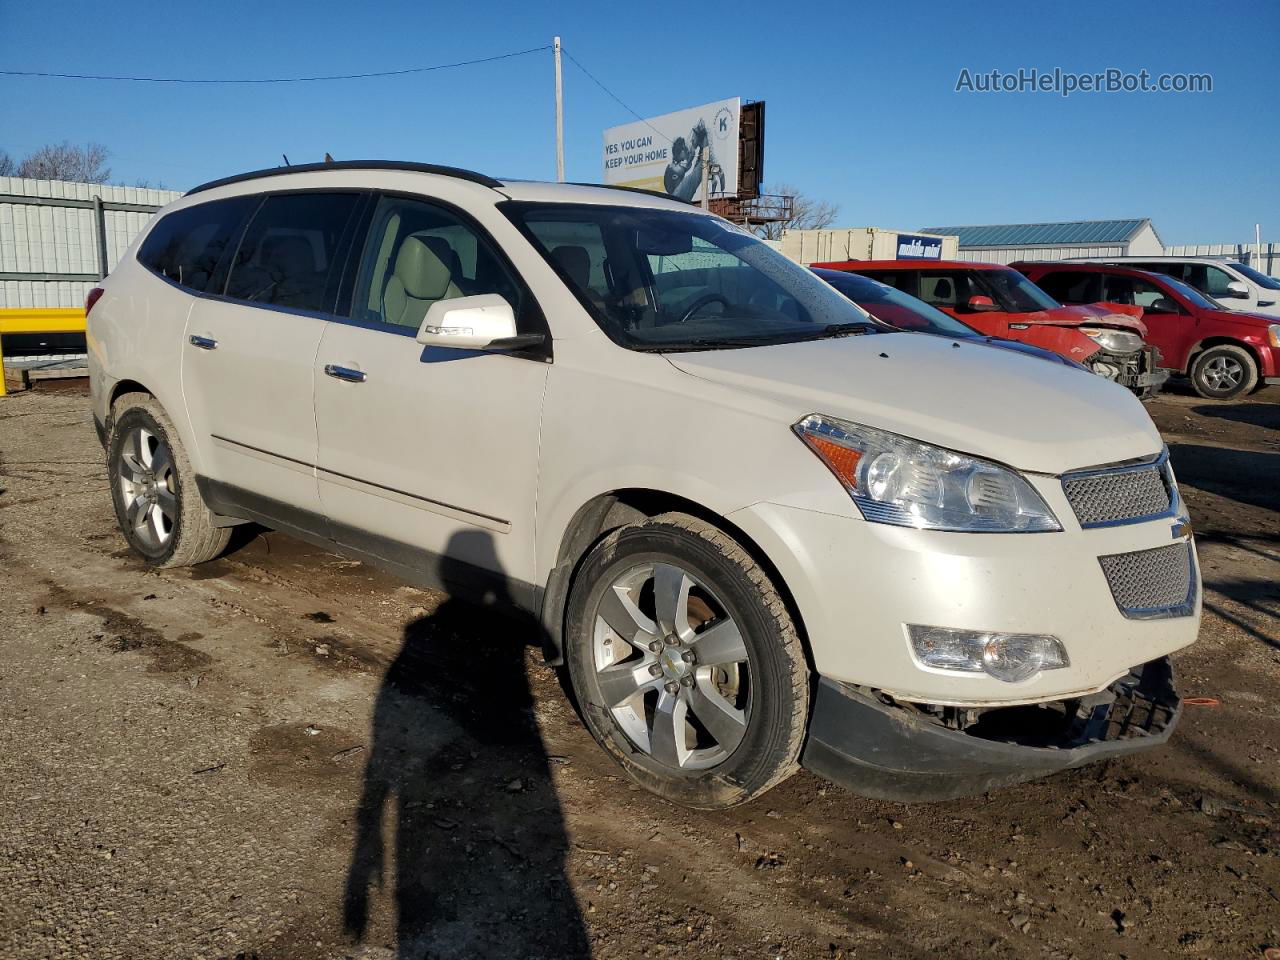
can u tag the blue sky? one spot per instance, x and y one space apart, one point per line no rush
862 109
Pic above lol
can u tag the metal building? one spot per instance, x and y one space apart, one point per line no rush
1004 243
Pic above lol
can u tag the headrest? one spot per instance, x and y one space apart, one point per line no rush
575 261
289 254
448 256
422 273
942 289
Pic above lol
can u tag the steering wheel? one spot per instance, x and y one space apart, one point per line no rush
705 300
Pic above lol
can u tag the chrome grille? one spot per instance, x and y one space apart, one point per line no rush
1152 583
1121 494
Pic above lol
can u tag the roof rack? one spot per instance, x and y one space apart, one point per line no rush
652 193
456 172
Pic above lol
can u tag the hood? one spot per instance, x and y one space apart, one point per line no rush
1092 315
1249 318
982 400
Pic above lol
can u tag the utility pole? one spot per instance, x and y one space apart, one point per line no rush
559 115
706 178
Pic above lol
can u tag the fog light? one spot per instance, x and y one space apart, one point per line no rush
1011 657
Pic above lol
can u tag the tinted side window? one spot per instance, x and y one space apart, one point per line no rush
418 254
1072 287
904 280
186 245
291 253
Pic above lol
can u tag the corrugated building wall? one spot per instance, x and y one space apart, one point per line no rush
49 240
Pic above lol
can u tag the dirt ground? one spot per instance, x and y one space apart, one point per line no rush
284 754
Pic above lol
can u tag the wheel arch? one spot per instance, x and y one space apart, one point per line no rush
606 512
1221 341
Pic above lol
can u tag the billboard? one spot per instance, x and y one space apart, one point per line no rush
666 153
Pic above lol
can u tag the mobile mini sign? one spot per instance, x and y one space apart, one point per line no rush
919 248
666 153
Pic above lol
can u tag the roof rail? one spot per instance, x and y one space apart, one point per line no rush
652 193
442 171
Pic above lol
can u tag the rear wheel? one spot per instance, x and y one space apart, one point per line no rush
153 488
1224 372
686 663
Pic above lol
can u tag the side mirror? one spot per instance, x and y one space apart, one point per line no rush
1162 305
1236 290
981 304
482 322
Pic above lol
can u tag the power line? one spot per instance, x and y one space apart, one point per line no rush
592 78
342 76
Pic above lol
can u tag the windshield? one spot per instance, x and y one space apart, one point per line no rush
1191 293
670 280
1261 279
898 309
1014 292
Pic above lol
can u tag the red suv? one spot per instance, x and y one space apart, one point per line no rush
1000 302
1226 353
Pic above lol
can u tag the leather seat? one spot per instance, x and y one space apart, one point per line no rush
420 279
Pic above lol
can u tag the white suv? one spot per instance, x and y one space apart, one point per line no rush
759 528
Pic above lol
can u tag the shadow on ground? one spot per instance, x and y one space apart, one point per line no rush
458 815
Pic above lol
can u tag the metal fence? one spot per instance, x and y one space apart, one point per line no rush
57 239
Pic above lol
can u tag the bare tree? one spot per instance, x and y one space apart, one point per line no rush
65 161
7 167
806 212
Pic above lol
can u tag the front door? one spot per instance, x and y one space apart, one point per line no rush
1171 328
428 457
249 352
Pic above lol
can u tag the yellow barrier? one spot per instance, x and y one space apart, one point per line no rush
38 320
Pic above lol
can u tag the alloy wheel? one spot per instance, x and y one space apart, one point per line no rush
148 488
671 666
1223 373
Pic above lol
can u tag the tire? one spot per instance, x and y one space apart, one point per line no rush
1224 372
715 713
153 488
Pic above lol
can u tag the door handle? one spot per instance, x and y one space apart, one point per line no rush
204 343
344 373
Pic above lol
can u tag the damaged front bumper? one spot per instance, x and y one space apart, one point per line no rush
891 750
1139 371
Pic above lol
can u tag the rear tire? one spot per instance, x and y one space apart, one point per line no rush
153 488
703 696
1224 372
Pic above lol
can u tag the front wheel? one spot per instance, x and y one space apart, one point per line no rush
1224 372
686 663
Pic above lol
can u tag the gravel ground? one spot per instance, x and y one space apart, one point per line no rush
284 754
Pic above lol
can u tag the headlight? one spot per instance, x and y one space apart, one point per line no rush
896 480
1114 341
1273 334
1011 657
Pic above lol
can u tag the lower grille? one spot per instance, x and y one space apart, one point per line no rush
1151 584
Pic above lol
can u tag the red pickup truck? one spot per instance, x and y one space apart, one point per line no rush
1226 353
1000 302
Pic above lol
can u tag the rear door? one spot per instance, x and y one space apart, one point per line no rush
250 348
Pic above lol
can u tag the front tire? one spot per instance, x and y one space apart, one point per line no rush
153 488
1224 372
687 666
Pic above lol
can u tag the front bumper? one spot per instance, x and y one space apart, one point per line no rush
1140 372
892 750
